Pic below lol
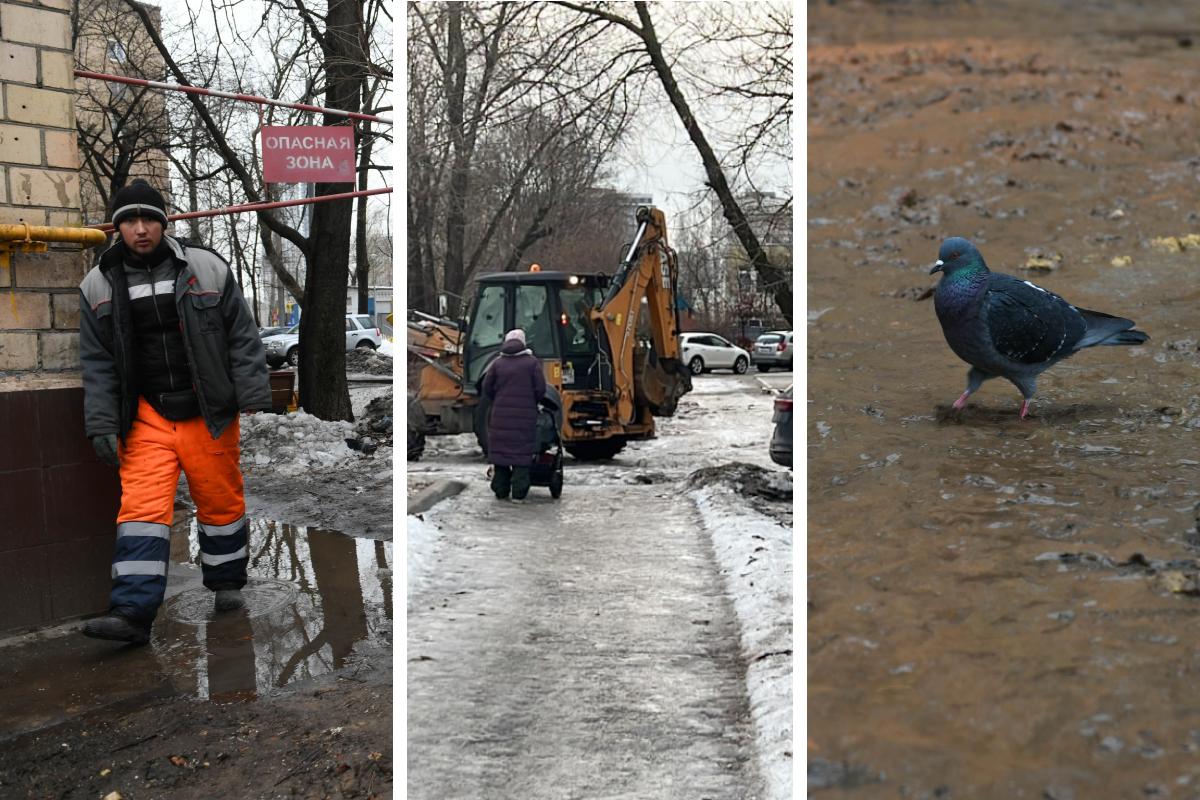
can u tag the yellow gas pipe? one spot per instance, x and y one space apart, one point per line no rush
26 238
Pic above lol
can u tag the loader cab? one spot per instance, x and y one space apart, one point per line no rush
552 308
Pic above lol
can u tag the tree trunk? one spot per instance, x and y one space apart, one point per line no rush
323 389
456 218
415 271
772 277
362 263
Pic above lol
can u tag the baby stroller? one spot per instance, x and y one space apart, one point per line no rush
547 467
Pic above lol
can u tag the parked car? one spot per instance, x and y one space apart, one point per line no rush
703 352
275 331
284 348
781 440
773 349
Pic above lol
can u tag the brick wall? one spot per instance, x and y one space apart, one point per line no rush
39 184
57 501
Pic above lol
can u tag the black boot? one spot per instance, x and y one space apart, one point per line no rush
229 600
118 628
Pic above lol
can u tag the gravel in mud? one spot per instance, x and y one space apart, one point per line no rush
1001 608
328 739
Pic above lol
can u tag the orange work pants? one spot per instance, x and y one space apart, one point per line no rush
154 451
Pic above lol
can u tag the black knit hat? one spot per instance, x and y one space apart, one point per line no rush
139 199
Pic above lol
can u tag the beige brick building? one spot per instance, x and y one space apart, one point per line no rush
123 130
39 185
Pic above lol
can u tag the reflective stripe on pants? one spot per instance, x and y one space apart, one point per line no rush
154 452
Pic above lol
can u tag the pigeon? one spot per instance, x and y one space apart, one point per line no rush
1011 328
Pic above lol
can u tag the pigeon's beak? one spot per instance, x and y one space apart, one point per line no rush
937 266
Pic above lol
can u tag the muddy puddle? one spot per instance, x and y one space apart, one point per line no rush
1001 608
317 601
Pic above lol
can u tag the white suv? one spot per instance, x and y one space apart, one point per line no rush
285 347
703 352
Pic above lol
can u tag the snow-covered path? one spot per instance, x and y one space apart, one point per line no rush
576 648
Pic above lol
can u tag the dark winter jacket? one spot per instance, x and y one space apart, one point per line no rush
514 383
226 360
160 354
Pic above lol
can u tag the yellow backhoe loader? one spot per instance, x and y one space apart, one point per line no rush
609 346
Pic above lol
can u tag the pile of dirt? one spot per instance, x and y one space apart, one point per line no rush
375 423
747 479
365 361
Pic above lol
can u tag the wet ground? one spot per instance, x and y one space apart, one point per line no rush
1001 608
318 618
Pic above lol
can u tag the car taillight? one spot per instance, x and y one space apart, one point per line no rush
783 404
782 346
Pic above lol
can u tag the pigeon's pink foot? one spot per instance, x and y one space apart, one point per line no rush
961 401
1024 409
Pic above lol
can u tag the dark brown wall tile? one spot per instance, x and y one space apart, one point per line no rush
24 589
82 501
22 517
60 427
80 576
18 425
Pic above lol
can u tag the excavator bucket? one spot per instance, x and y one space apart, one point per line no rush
659 383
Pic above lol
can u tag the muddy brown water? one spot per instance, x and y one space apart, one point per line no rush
1000 608
317 601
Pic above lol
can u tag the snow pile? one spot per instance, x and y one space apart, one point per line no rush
294 444
754 552
365 361
387 348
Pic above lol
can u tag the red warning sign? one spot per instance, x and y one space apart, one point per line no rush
308 154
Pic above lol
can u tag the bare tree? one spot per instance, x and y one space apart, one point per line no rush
338 35
124 131
501 94
643 28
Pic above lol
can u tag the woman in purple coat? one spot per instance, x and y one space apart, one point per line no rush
514 384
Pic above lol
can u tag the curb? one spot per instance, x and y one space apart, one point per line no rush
433 494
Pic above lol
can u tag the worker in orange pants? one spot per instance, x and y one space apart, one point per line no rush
170 357
150 461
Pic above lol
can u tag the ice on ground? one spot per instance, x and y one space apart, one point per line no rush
420 546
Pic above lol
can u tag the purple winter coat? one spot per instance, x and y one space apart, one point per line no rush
514 383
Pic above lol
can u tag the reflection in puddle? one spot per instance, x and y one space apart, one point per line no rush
312 598
316 601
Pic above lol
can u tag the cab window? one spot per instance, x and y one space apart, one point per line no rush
578 335
533 317
487 330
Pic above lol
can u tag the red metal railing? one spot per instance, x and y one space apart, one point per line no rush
215 212
246 98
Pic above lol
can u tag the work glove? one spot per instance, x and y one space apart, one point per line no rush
105 446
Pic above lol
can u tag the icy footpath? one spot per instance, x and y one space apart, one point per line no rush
754 553
295 444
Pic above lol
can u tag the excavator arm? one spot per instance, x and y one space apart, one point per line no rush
654 378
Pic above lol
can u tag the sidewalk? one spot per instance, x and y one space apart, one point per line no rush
576 648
